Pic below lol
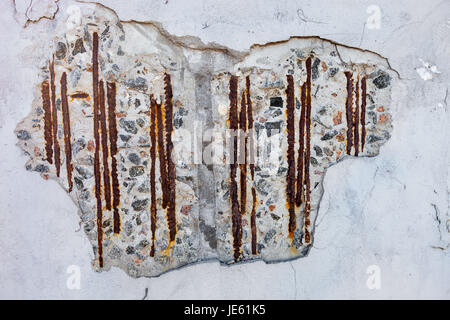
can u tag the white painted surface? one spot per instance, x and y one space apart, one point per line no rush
379 211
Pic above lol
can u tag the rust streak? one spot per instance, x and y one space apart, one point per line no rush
171 176
97 151
111 94
79 95
45 93
162 155
250 128
104 140
253 222
236 218
152 172
56 151
308 150
363 112
356 118
243 153
290 178
301 148
349 110
67 133
252 164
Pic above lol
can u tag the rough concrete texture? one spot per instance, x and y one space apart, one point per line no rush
383 218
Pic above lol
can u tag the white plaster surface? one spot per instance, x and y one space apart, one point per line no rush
390 211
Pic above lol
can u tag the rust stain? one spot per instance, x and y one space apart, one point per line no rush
104 140
171 175
253 222
301 148
307 236
97 151
45 93
111 94
363 112
79 95
308 151
243 153
67 133
250 127
356 118
349 110
252 165
152 172
236 218
162 154
56 150
290 177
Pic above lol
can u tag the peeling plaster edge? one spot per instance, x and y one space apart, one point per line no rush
30 20
195 43
188 42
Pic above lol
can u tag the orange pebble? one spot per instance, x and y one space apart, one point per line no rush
383 118
338 119
90 145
